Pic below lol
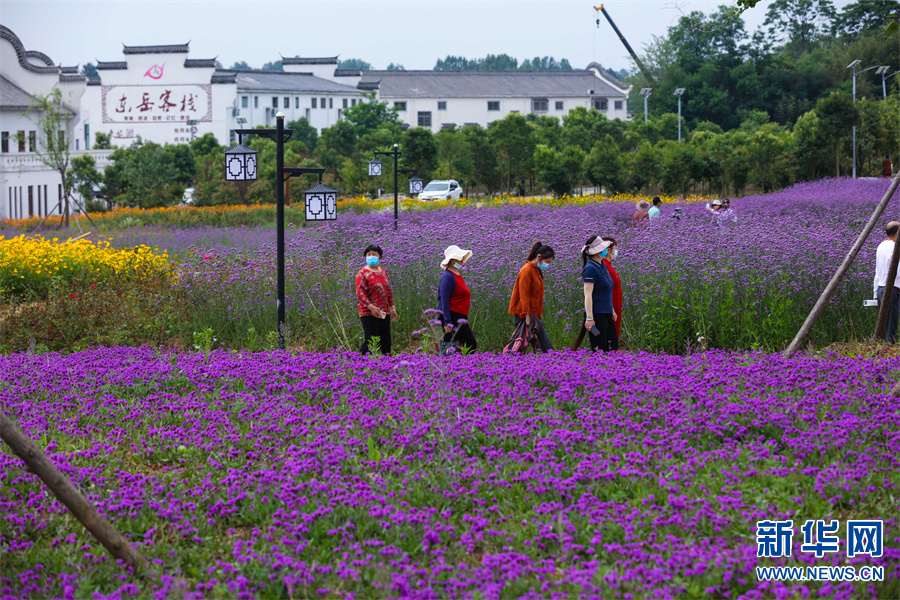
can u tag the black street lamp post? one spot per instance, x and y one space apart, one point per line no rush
375 170
240 165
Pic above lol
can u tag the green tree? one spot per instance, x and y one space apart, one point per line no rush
605 166
241 66
454 155
90 70
837 115
767 157
152 179
515 146
865 15
84 177
559 171
396 67
799 23
418 151
681 166
484 156
102 141
54 125
304 132
353 64
369 114
810 153
205 144
181 157
336 143
273 66
643 168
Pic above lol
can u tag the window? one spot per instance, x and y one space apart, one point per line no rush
559 105
442 105
274 101
76 143
618 105
331 103
540 105
4 141
345 103
297 102
87 136
600 104
244 103
315 102
323 103
400 105
32 141
424 119
493 105
62 139
21 137
286 102
353 102
307 114
339 114
30 200
255 101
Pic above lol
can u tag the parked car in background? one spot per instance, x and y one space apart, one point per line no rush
441 189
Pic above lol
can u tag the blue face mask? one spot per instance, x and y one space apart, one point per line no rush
372 261
543 266
604 253
615 253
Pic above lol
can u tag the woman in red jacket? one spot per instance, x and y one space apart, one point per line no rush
617 284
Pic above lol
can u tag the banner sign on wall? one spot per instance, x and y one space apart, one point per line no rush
157 103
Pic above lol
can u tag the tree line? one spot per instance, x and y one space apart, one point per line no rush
519 154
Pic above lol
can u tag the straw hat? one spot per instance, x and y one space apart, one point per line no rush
455 253
643 205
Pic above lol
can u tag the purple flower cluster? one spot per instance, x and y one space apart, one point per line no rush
741 282
624 475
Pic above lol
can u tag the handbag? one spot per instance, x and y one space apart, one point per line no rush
448 348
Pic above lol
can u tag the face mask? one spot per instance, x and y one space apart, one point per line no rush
460 266
615 253
543 266
372 261
604 253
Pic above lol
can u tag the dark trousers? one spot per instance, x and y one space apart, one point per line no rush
464 336
607 340
890 332
543 338
373 327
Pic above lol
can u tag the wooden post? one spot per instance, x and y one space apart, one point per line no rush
69 495
842 270
885 309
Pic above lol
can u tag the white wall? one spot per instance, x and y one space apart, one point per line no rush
475 110
259 110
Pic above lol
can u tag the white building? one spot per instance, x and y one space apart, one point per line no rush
436 99
28 188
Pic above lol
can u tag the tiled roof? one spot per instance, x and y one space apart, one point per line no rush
72 78
39 56
94 81
12 97
69 70
223 78
487 84
347 72
120 65
264 80
368 85
172 49
22 56
309 61
200 63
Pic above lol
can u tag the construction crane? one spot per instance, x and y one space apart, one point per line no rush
624 41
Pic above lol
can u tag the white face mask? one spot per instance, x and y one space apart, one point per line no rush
459 266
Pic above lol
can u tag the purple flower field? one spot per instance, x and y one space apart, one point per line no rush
308 475
745 282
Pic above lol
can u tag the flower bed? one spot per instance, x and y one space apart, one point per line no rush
309 475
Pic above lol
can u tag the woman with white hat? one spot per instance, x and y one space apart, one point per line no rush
601 317
454 298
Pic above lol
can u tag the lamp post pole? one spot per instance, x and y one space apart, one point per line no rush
395 154
282 174
679 92
645 92
855 73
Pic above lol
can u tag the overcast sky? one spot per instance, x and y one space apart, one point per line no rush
414 34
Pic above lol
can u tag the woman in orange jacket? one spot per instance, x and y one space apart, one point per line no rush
528 293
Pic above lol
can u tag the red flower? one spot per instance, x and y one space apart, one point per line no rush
207 256
71 295
93 287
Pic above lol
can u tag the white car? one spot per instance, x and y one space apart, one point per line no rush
441 189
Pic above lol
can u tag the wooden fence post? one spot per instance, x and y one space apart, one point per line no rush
69 495
842 270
